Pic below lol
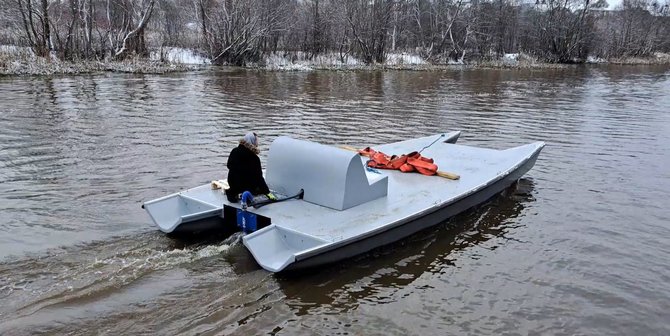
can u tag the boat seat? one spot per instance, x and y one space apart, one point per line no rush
331 177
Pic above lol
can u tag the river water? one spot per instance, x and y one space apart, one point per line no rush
581 247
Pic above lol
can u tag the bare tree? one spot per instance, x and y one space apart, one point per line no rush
640 23
202 7
243 31
369 22
127 21
559 30
239 29
9 25
36 24
439 28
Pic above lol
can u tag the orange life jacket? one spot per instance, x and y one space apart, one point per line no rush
405 163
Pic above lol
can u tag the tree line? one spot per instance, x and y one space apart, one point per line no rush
239 32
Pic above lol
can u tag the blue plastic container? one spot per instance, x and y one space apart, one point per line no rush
246 221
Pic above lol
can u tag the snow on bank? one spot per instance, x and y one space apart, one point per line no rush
179 55
10 53
595 60
404 59
300 61
662 57
14 50
510 59
22 61
13 57
278 62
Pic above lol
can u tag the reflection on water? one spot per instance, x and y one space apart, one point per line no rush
580 246
380 274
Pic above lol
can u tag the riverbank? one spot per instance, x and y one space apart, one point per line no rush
398 61
45 68
20 62
16 61
658 58
410 62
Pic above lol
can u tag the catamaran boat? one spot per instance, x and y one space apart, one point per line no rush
332 205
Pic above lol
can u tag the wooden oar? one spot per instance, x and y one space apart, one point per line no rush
439 173
448 175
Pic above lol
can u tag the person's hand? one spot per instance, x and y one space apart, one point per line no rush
271 196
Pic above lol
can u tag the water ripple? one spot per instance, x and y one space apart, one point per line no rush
580 247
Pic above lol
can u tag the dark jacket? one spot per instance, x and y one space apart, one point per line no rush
244 173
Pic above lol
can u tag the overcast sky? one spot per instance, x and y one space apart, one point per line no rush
613 3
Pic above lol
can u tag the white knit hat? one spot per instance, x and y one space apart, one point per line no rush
251 139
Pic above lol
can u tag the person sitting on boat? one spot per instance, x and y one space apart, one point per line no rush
244 170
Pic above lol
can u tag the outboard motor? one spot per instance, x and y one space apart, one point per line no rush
246 220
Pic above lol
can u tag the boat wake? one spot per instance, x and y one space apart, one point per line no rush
86 273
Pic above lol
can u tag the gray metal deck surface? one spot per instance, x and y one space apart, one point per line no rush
301 230
408 193
167 211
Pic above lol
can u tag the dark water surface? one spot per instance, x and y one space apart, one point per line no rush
582 247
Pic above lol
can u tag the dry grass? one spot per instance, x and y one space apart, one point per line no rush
658 58
522 61
21 62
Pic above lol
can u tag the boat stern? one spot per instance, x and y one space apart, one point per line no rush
171 211
275 247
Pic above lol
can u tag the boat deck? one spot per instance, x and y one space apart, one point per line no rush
301 230
409 194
